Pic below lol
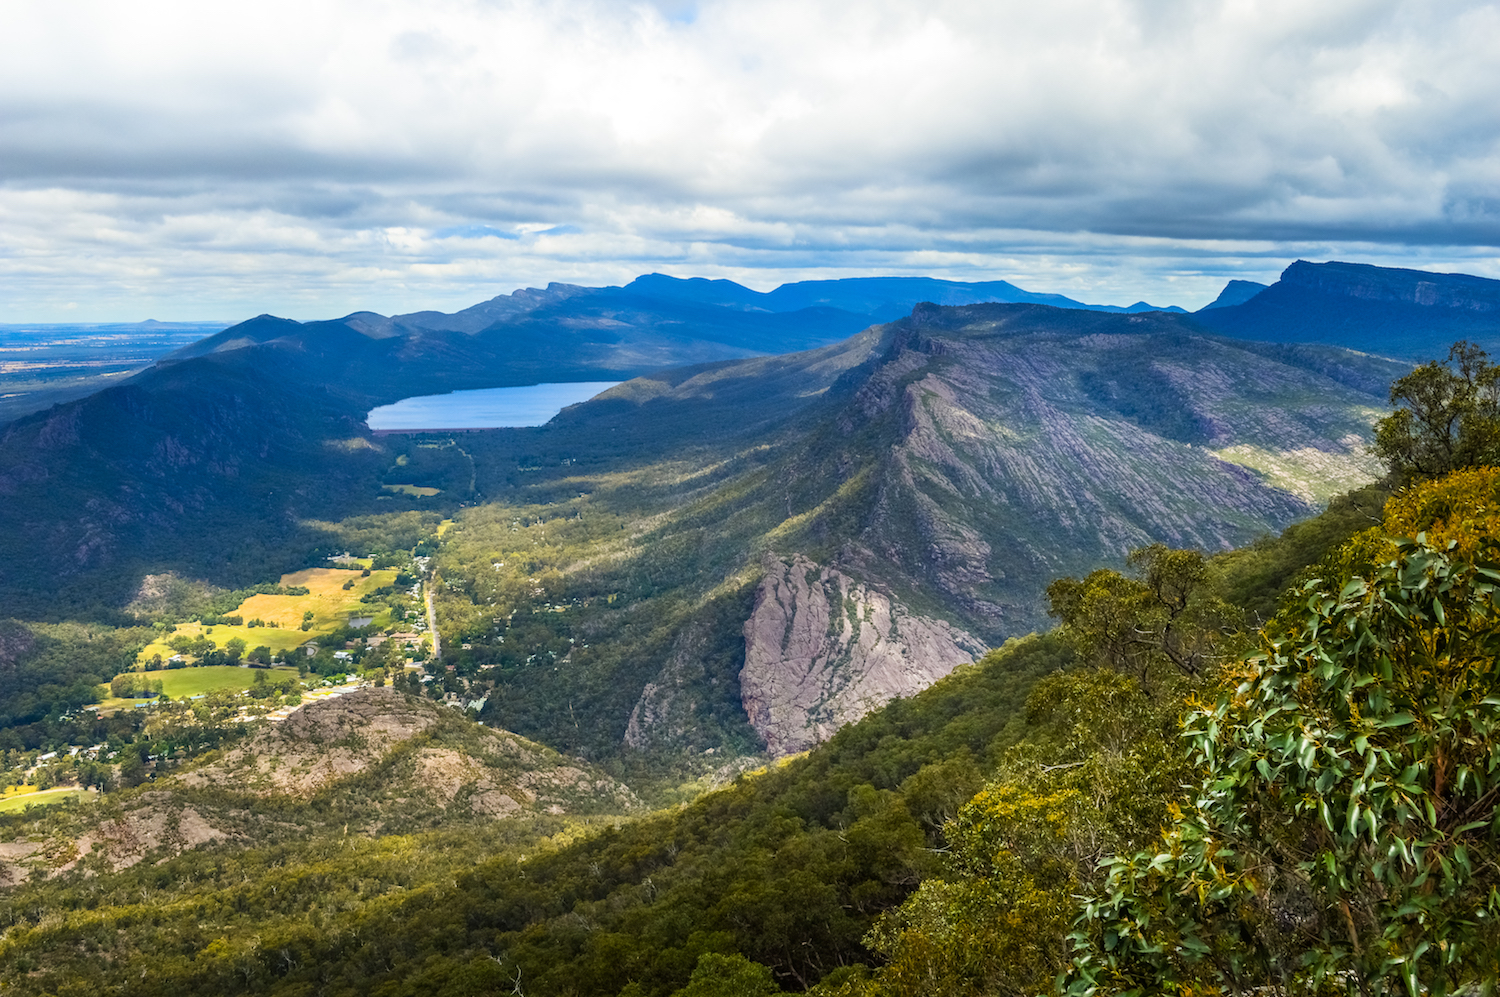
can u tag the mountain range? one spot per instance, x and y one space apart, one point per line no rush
928 475
809 533
1407 314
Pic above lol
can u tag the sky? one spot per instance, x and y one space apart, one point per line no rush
185 161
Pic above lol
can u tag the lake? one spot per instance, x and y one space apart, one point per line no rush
485 408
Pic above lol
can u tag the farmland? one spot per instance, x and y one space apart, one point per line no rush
16 801
330 603
197 681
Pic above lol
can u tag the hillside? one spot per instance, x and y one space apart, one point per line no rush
1407 314
827 563
900 499
878 512
945 841
373 763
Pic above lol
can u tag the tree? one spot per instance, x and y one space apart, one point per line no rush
1167 615
1342 835
1449 419
728 976
1093 776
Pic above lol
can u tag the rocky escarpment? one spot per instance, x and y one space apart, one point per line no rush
1388 284
823 650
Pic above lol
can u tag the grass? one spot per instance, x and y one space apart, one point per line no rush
330 603
421 491
12 802
181 682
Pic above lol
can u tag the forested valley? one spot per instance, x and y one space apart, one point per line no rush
497 728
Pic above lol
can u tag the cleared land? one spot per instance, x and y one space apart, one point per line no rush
20 801
331 604
421 491
181 682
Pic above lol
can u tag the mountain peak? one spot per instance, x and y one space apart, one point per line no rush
1236 292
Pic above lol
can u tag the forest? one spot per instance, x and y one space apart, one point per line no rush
1272 769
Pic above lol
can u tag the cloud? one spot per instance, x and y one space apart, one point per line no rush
317 157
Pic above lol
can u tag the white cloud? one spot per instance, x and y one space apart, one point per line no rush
310 158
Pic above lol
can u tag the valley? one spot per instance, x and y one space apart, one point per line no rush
771 617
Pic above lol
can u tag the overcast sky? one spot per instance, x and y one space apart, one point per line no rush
212 160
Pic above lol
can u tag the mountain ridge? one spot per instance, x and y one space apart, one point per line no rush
1408 314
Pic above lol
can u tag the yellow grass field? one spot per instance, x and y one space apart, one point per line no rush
421 491
330 603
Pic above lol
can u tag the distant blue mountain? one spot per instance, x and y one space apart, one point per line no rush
1236 292
883 299
1406 314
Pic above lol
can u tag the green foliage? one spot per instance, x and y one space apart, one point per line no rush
728 976
1094 774
1167 617
128 686
1256 577
1342 833
788 869
49 669
1449 417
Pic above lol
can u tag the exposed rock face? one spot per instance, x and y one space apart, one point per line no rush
664 713
1408 287
823 650
1005 448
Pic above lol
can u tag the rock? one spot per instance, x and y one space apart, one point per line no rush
823 650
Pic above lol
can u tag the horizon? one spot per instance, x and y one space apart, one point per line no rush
104 322
229 323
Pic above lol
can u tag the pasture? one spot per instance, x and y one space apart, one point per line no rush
12 802
180 682
330 603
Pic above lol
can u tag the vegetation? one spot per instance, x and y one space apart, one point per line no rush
321 597
1342 831
1449 416
1331 813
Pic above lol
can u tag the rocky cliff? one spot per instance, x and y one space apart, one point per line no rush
823 650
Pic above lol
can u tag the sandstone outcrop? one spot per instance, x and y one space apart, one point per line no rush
823 649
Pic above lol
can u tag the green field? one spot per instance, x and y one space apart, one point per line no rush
181 682
421 491
22 801
331 604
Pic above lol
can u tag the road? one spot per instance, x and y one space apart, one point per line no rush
437 646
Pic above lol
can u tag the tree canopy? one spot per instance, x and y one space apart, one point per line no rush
1342 831
1448 419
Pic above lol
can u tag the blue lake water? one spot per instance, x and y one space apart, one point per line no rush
485 408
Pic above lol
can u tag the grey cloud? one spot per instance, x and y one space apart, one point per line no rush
1170 144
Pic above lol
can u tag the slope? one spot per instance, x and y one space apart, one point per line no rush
873 514
373 763
1408 314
